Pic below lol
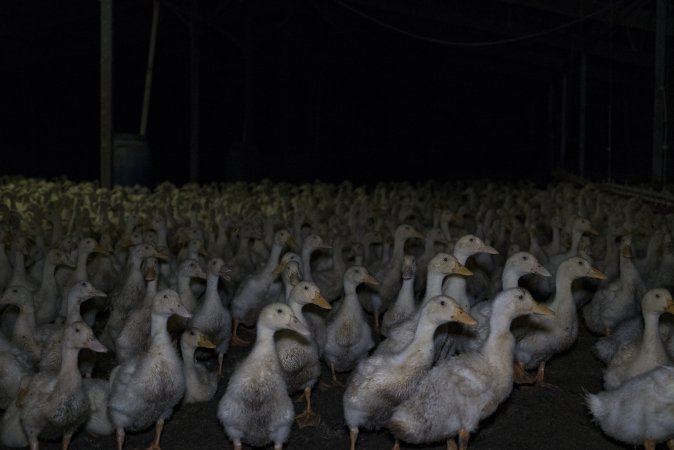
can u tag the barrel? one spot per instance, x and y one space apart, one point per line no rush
131 160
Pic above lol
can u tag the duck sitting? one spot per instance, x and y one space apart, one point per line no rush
56 406
145 388
638 412
200 382
256 408
382 381
648 352
474 383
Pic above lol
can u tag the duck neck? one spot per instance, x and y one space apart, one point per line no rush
81 267
651 333
563 296
274 255
509 278
212 295
406 293
265 346
455 287
500 342
434 282
421 348
69 356
159 335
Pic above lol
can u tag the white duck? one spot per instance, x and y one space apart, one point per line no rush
404 305
472 384
382 381
648 352
256 408
538 340
145 389
349 335
299 355
638 412
201 383
56 406
617 300
517 265
211 316
251 294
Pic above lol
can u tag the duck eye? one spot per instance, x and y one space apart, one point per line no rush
525 258
279 311
580 263
657 295
306 288
520 297
471 239
443 303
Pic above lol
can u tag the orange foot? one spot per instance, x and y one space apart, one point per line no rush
238 342
308 419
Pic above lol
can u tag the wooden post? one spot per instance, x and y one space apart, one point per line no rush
106 125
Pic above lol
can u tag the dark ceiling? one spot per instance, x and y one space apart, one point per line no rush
337 89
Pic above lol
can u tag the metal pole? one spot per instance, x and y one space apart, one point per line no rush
148 72
581 115
194 94
106 125
659 143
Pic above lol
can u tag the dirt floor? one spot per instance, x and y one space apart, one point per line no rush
532 418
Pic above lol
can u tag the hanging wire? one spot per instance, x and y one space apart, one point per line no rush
473 44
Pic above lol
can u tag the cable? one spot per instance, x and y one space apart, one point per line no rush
471 44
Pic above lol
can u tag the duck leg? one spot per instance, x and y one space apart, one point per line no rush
353 435
65 442
670 444
237 444
649 444
464 436
221 358
451 444
396 445
120 435
235 339
540 376
308 418
159 426
521 375
335 381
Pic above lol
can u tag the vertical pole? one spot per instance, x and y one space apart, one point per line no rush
562 132
659 144
194 94
582 113
106 125
551 127
148 71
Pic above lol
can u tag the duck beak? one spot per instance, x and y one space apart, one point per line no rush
540 270
596 273
489 249
182 311
95 345
97 293
100 249
321 301
542 310
592 231
161 255
202 251
279 269
369 279
627 251
462 316
292 244
460 269
670 306
205 342
295 325
224 273
150 273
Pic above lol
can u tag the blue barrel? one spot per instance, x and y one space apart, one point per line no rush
131 160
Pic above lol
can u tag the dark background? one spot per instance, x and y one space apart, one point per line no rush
367 90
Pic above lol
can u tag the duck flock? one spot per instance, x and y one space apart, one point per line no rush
424 305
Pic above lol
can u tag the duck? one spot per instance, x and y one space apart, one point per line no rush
349 335
134 335
454 396
330 281
439 267
404 305
14 365
50 356
129 293
517 265
380 382
251 294
145 389
538 340
47 299
211 316
56 406
433 238
299 355
24 336
638 412
201 383
256 408
376 300
641 355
